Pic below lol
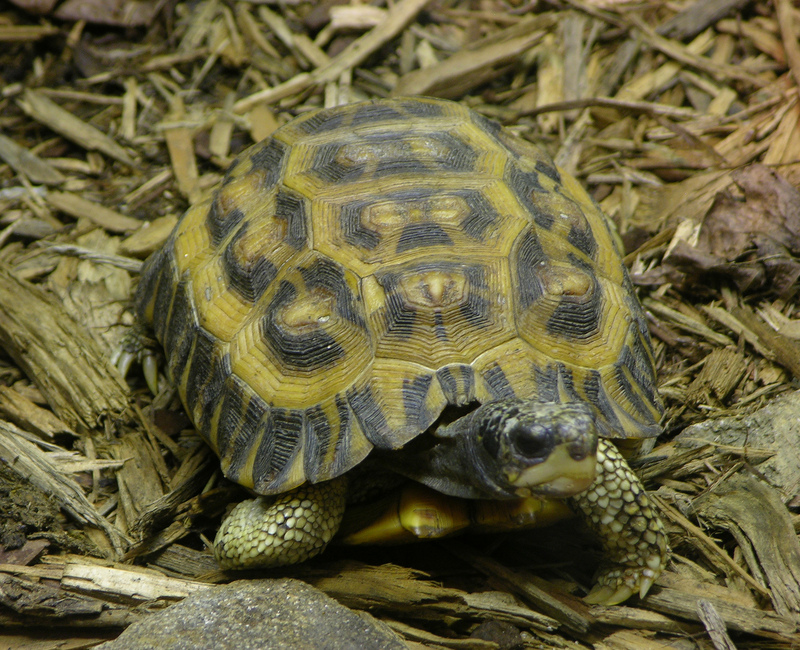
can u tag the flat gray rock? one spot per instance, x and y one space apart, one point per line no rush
773 427
258 614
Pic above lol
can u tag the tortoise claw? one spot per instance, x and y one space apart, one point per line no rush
138 346
122 360
150 369
644 586
607 595
614 586
604 594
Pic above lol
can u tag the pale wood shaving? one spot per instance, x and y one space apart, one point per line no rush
47 112
78 207
29 164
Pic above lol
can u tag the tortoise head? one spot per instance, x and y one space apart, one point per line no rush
509 449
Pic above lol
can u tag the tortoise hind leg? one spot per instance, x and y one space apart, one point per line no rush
281 530
617 509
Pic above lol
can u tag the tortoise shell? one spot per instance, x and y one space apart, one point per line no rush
371 264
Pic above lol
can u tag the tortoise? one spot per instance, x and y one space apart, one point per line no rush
405 286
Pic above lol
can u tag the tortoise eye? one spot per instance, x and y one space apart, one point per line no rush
530 443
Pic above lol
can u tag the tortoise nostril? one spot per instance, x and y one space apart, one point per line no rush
578 452
580 449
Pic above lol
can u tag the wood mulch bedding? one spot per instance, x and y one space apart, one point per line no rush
680 117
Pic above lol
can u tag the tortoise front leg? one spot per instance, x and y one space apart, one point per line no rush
281 530
617 509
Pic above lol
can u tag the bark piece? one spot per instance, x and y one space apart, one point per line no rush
67 365
755 515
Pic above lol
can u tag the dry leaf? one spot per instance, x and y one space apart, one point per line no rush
749 238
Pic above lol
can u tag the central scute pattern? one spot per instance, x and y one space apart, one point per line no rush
369 265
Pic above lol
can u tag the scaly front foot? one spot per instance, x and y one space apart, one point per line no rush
617 508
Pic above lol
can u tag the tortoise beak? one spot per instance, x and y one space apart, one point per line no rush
561 475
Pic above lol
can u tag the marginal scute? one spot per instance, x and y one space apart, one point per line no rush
180 316
415 392
369 266
372 413
197 371
238 420
400 399
278 451
182 344
211 393
333 438
496 383
506 369
596 394
267 160
457 382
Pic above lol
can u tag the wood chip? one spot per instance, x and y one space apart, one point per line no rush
66 364
29 164
790 35
714 625
61 121
78 207
33 466
736 617
396 18
136 584
696 16
25 33
688 323
720 71
180 143
149 237
468 68
524 584
21 411
754 512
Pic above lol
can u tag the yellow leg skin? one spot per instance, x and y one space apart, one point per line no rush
278 531
617 509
